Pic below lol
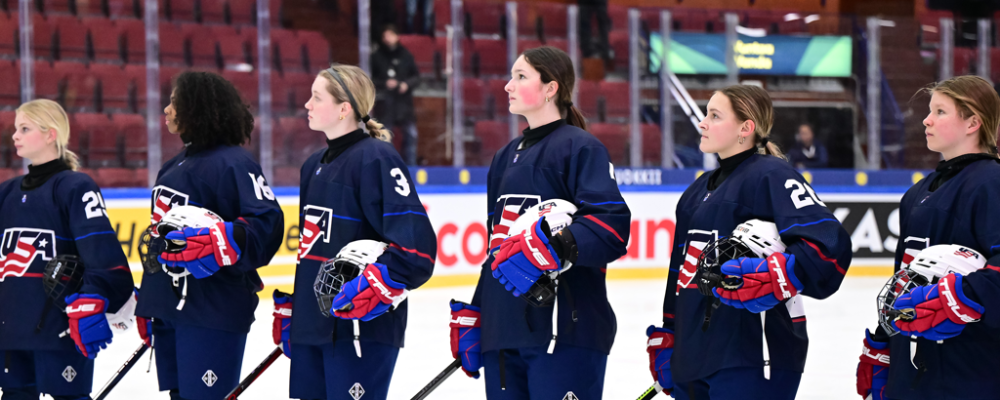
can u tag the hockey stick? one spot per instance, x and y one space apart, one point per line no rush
650 393
242 387
423 393
117 377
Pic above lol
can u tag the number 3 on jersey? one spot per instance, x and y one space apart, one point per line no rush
404 185
799 196
94 206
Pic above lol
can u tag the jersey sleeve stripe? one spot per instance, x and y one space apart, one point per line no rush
120 267
607 202
605 226
424 255
825 258
95 233
808 224
403 213
314 258
343 217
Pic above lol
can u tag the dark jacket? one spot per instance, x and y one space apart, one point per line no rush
392 107
797 155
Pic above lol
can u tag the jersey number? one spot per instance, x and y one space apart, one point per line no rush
95 205
799 196
404 186
260 187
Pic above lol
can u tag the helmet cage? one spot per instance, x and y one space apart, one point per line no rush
717 252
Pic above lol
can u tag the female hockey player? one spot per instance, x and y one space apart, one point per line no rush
555 159
954 205
54 213
202 314
712 347
354 193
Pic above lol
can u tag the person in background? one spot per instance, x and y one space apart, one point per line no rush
395 74
411 13
807 153
590 9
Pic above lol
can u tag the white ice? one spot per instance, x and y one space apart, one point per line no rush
836 328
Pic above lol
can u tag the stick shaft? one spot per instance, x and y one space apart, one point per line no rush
423 393
117 377
650 393
242 387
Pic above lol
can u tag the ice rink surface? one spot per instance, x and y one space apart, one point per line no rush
836 328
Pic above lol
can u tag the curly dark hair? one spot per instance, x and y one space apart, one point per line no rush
210 111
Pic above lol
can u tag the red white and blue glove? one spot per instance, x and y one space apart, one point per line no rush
765 282
369 295
940 310
88 326
145 327
660 347
522 258
465 333
207 249
282 328
873 368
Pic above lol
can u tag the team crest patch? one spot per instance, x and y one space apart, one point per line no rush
21 246
209 378
356 391
69 374
570 396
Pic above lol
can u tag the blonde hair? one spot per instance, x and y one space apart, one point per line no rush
48 114
363 91
975 96
754 104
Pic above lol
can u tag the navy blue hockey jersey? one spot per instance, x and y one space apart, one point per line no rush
226 180
364 193
963 211
769 189
570 164
64 216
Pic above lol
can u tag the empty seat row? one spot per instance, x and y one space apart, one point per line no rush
481 57
187 44
112 88
236 12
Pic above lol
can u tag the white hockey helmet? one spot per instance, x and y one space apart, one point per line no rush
558 214
335 272
761 237
754 238
927 268
180 217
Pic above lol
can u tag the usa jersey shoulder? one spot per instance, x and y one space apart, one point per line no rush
9 184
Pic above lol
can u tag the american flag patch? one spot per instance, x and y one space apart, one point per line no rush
964 252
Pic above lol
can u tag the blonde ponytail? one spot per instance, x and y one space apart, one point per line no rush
70 158
377 130
48 114
772 149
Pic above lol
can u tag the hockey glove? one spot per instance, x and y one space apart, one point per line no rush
660 348
873 369
765 282
465 333
522 258
145 327
88 326
207 249
369 295
282 328
938 311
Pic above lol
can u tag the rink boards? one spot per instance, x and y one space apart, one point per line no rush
459 219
